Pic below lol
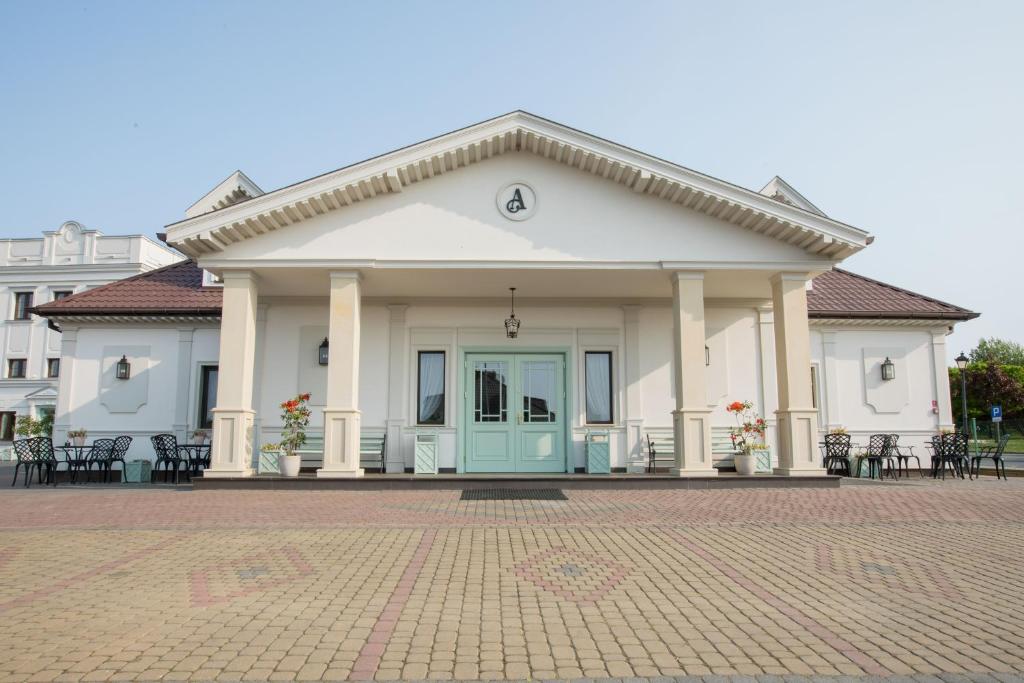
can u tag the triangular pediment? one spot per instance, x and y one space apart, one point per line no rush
519 134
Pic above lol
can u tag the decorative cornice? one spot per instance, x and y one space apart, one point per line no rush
516 132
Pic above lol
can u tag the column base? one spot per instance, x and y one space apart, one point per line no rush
684 473
231 449
798 443
339 474
341 444
692 432
791 472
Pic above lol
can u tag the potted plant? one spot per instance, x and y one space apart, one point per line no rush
747 436
295 417
199 436
77 436
838 430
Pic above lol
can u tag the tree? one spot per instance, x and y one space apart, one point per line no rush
28 426
988 384
998 351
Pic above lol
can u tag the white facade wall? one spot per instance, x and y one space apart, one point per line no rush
70 259
163 393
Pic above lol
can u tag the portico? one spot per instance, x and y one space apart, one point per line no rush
642 286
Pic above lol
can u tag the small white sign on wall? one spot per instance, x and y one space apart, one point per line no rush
517 201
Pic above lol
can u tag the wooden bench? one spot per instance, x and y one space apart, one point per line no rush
372 447
661 445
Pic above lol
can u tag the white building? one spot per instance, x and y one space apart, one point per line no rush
37 270
649 297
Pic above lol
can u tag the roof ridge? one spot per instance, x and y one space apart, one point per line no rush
100 288
902 290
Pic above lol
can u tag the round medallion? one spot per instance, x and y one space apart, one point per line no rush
517 201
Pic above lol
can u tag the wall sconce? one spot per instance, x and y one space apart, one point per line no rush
323 352
888 370
123 369
707 356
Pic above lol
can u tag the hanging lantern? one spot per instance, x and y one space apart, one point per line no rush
322 352
512 323
888 370
123 370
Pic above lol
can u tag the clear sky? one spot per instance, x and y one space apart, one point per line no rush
905 119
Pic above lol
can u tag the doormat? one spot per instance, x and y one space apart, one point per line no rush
513 494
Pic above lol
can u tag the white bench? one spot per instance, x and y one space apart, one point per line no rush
371 451
661 445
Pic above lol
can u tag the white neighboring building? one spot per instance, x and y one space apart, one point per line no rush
649 295
37 270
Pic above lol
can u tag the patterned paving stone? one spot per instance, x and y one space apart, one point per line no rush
912 581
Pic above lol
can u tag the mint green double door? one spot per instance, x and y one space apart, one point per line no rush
514 412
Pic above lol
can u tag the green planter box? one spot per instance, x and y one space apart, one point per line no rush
598 453
426 454
138 472
763 459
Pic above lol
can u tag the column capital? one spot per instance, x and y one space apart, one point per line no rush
678 275
239 276
790 277
346 275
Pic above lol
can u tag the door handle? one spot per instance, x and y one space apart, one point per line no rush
519 416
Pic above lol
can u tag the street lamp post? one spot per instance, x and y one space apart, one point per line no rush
961 362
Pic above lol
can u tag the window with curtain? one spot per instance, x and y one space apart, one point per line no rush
207 395
430 395
598 368
22 302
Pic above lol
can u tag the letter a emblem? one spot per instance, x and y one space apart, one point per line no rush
516 204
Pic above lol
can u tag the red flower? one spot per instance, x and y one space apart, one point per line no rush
735 407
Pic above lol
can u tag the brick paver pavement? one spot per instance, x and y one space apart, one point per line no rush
867 580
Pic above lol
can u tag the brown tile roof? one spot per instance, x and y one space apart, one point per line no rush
842 294
178 290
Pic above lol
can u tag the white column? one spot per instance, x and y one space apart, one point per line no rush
65 384
798 420
691 420
634 408
939 368
182 387
341 415
769 390
830 378
233 417
257 382
398 353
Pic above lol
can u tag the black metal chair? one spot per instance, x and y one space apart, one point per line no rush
118 454
994 452
102 451
42 447
197 456
952 455
837 454
170 455
903 454
879 455
26 456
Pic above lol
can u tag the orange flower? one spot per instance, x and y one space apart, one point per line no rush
735 407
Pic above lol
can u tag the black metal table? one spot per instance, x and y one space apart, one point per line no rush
77 456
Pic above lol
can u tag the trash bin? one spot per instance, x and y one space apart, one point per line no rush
138 472
598 454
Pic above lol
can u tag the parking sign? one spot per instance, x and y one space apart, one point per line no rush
997 413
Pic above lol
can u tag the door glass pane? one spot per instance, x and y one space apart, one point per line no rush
538 390
490 391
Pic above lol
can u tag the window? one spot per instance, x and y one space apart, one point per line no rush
207 395
22 302
53 367
598 367
814 387
7 426
16 368
57 296
430 395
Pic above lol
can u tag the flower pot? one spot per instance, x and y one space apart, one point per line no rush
288 465
746 463
78 440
